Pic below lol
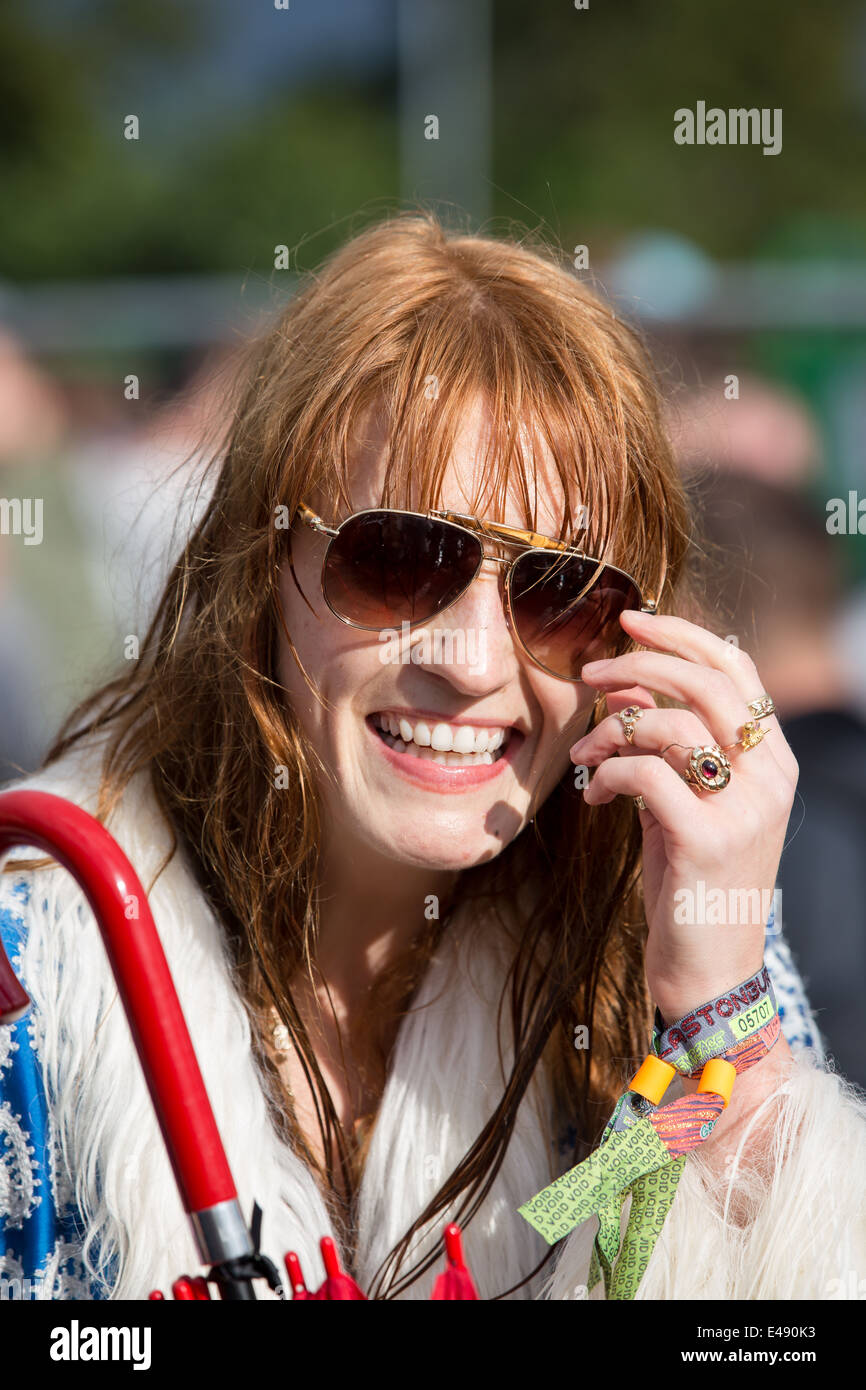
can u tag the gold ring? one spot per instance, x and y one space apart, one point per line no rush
748 737
640 803
628 718
763 707
708 769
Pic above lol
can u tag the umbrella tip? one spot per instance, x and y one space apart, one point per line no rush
330 1257
454 1244
295 1273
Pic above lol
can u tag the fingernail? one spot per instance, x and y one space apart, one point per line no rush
595 666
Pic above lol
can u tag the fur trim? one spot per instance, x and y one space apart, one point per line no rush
804 1236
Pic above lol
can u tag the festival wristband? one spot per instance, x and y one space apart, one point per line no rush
716 1028
643 1149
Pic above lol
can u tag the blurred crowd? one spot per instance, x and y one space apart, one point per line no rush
776 584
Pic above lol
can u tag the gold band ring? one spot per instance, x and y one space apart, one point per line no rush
763 707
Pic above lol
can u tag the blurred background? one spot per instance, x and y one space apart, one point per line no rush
154 158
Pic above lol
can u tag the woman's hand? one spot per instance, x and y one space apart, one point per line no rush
694 842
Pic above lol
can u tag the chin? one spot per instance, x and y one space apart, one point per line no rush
440 853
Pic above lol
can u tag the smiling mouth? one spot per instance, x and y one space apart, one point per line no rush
448 745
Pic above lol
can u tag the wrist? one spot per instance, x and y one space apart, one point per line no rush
679 1004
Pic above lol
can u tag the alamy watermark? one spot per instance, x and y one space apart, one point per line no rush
732 907
77 1343
23 1289
22 516
737 126
450 646
847 516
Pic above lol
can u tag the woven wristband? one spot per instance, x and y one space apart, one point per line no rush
643 1149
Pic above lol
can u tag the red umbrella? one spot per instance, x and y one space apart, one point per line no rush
338 1286
83 846
456 1283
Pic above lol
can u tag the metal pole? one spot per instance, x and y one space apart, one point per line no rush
445 61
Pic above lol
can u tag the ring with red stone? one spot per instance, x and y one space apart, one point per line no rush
628 718
708 769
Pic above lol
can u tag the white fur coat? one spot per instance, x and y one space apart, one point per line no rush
808 1240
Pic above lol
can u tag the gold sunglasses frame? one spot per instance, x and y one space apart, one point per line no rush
493 530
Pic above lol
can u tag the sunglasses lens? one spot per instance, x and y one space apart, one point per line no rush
390 567
560 629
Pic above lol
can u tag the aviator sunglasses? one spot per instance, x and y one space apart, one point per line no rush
384 567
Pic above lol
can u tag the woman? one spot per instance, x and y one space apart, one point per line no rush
418 954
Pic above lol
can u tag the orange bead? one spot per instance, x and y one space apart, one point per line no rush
653 1078
718 1076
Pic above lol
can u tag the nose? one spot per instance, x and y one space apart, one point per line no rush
470 644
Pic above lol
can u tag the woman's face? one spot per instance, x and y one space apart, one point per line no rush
440 759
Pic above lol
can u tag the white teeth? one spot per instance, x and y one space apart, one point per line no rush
452 745
440 738
464 740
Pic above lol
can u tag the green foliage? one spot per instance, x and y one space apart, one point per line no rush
585 100
82 200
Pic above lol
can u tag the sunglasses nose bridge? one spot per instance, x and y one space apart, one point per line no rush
482 613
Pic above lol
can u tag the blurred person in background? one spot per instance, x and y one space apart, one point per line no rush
32 422
776 577
111 476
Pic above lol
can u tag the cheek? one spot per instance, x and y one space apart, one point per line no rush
338 660
313 639
564 711
563 708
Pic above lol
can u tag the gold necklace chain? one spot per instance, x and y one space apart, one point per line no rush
282 1042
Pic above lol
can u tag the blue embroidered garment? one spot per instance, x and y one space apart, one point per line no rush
41 1229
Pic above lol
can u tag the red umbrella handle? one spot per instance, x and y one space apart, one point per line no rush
84 847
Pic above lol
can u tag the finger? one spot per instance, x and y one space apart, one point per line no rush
635 695
654 731
682 638
663 790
